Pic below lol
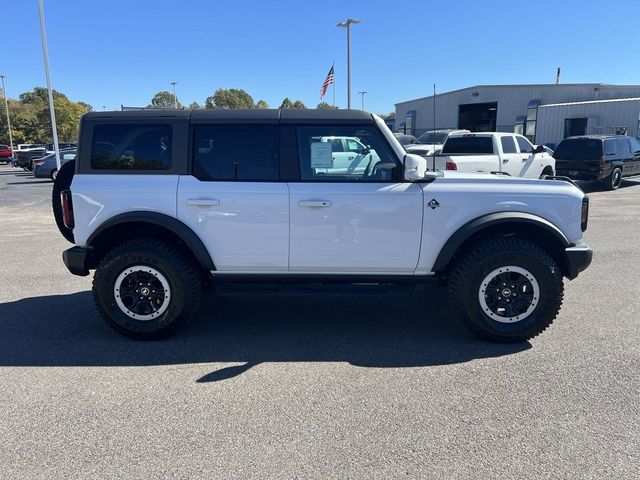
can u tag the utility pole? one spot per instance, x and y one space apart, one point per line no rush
175 99
52 112
362 98
6 106
347 24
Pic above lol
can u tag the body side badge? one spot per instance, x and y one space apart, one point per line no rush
433 204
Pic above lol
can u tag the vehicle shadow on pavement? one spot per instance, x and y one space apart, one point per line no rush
410 330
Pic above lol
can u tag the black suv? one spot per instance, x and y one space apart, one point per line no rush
603 158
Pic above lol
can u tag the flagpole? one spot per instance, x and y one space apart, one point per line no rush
334 83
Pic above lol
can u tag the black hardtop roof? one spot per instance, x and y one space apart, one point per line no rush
248 116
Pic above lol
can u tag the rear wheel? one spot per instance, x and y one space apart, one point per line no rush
147 289
506 289
613 181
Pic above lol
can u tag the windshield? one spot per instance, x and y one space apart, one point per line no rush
433 137
579 149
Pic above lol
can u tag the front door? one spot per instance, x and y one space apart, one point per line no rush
530 165
511 161
362 221
234 200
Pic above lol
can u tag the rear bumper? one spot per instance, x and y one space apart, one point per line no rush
75 259
577 258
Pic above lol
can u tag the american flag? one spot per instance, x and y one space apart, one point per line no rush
327 81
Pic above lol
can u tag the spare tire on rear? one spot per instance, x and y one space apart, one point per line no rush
62 182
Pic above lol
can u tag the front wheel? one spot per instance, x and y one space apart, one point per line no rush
506 289
147 289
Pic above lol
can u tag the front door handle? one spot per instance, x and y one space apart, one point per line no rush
525 159
505 160
314 203
203 202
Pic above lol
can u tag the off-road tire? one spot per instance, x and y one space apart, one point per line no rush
184 278
613 181
477 262
62 182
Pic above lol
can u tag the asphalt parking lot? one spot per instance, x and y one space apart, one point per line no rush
341 386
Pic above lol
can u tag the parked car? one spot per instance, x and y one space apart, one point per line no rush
61 145
156 219
490 152
430 143
599 158
46 167
28 146
405 139
6 154
24 158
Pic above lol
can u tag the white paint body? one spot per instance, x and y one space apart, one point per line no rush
368 228
518 164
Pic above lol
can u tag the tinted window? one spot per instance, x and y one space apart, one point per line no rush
336 145
508 145
242 152
131 147
610 147
371 159
579 149
635 146
469 144
433 137
623 146
525 146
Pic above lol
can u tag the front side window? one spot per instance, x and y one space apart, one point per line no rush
131 147
525 146
237 152
368 158
508 145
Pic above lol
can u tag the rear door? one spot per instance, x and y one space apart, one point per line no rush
234 199
364 221
511 159
625 155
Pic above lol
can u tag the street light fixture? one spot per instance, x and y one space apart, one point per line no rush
175 99
347 24
362 93
6 106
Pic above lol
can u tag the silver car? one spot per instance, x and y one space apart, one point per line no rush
46 167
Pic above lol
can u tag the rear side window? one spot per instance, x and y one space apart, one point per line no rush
635 146
242 152
131 147
508 145
579 149
610 147
481 145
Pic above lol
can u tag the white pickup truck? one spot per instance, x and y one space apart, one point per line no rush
491 152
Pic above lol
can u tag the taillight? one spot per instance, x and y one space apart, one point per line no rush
584 216
601 164
67 208
38 163
451 166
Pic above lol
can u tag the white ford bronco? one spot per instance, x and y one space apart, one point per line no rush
162 203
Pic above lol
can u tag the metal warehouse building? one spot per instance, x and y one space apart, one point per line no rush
545 113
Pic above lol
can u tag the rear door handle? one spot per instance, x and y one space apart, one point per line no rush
505 160
203 202
314 203
525 159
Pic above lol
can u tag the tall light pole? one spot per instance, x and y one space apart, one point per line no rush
45 53
362 94
6 106
175 99
347 24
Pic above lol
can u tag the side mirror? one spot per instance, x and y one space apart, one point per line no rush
415 167
539 149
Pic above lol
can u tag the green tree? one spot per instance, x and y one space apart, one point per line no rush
326 106
299 105
229 98
262 104
163 99
286 103
195 106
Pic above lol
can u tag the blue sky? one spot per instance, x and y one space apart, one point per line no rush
112 52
